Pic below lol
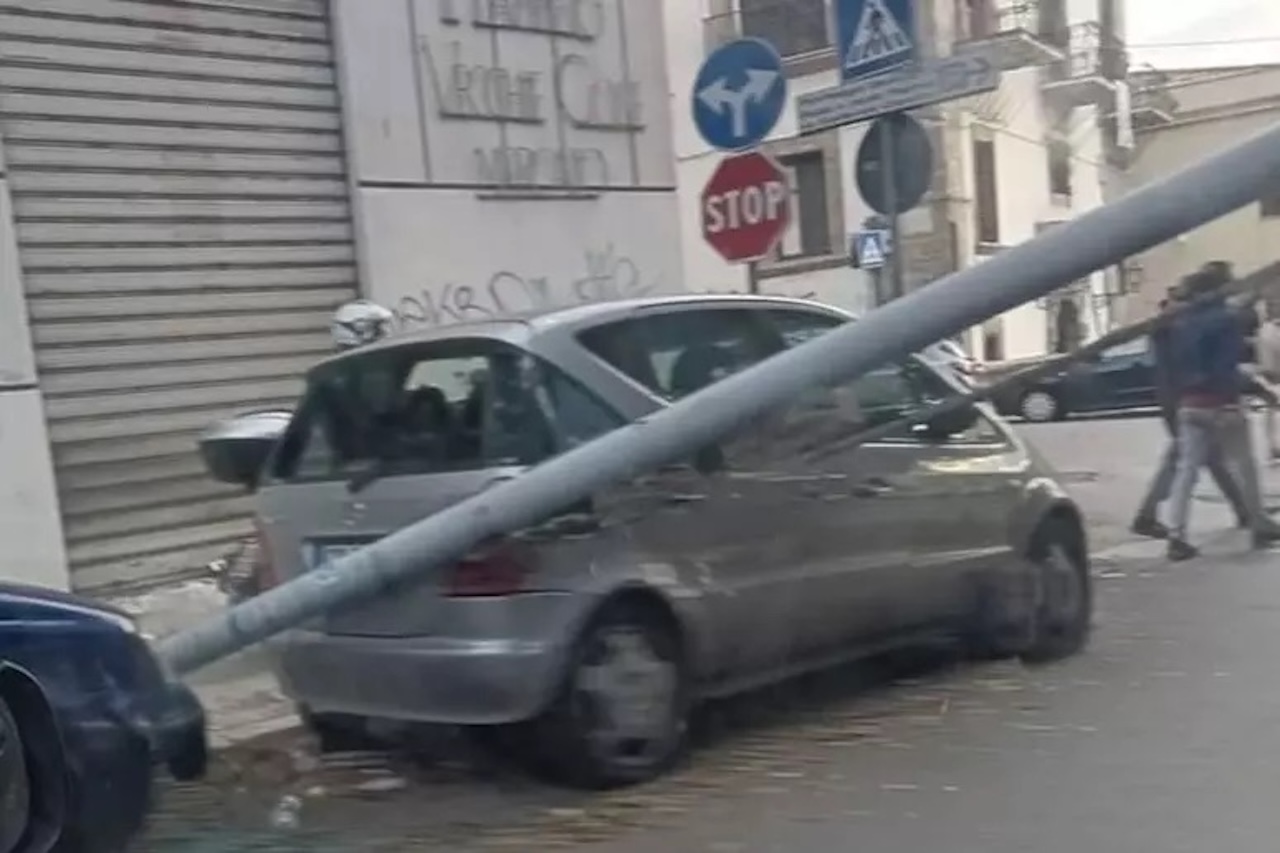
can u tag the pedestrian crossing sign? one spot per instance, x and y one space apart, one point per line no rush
875 35
870 248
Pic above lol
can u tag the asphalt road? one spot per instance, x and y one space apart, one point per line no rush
1160 738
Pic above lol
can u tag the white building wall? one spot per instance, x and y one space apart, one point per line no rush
1216 109
30 523
1016 120
465 216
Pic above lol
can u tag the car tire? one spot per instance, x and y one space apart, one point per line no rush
1063 597
15 782
621 714
1040 406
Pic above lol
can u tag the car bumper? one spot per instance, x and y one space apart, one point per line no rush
114 749
459 680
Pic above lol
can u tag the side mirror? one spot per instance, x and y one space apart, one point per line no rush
947 424
235 450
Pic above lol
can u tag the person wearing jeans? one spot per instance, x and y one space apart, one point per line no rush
1269 366
1146 522
1207 346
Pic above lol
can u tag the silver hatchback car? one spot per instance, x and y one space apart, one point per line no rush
584 641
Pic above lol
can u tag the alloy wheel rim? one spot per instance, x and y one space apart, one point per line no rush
626 695
1038 406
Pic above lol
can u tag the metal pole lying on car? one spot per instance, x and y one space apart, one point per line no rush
1157 212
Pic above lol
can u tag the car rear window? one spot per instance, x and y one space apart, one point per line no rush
455 405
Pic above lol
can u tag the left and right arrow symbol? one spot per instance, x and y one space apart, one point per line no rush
719 98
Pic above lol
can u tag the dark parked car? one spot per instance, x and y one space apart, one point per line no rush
582 642
86 714
1122 377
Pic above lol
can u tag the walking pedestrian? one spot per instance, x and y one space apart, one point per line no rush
1207 346
1269 366
1147 522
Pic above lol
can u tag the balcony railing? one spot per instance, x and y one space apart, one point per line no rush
1013 34
1151 104
793 27
1082 77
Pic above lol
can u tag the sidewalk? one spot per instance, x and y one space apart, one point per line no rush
239 694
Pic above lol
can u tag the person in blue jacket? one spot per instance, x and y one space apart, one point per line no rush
1206 348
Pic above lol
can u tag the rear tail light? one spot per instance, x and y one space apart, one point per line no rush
260 560
490 573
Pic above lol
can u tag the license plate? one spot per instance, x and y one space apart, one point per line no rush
317 554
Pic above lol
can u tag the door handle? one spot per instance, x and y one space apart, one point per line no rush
681 499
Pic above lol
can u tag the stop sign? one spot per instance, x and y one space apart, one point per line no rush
745 207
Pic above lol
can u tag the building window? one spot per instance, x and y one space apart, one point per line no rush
809 229
1059 156
791 26
1270 205
986 207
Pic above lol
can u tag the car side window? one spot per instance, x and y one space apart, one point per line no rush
677 353
830 418
798 326
447 406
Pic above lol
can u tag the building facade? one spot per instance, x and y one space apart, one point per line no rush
1182 116
192 186
1007 164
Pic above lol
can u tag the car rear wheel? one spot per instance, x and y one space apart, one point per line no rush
621 715
15 782
1063 594
1040 406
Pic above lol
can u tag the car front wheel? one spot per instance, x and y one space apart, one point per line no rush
15 783
622 711
1063 611
1040 406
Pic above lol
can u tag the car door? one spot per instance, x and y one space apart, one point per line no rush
900 522
849 503
717 517
1123 377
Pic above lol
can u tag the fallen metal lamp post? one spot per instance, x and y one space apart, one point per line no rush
1100 238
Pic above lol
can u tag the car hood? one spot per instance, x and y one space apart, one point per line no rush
20 602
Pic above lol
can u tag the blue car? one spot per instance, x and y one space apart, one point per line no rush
1119 378
86 715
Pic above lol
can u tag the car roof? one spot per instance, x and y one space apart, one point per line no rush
519 328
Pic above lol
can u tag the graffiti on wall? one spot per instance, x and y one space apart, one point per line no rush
605 274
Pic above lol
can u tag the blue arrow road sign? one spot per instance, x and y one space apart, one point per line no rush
875 35
739 94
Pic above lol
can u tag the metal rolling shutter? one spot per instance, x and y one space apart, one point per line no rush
184 231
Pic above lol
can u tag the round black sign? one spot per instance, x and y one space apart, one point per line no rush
912 164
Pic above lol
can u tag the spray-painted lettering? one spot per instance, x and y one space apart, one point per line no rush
607 275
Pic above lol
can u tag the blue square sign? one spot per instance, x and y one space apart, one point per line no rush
874 36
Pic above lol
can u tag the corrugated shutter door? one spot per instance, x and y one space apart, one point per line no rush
184 233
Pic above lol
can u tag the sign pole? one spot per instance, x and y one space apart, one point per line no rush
889 182
753 277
